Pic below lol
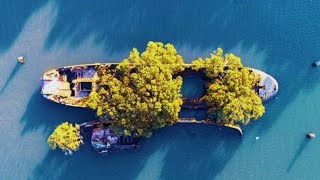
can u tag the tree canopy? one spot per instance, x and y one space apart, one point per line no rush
66 136
230 95
142 93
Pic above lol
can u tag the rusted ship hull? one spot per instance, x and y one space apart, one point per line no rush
100 141
69 84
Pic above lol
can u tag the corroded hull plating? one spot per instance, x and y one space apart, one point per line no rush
59 87
52 80
87 131
270 84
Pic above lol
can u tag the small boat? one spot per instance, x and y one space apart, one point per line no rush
315 64
310 135
20 59
104 141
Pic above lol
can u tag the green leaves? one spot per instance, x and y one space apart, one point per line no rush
66 136
141 94
145 96
230 95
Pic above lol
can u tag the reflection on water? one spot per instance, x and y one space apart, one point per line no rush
51 114
179 151
26 117
279 37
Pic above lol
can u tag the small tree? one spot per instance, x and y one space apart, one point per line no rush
67 137
230 95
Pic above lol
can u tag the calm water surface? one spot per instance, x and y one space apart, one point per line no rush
278 37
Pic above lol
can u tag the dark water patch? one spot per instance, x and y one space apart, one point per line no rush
131 24
292 78
287 31
12 74
200 114
290 49
199 151
43 113
184 152
121 26
88 164
54 160
192 87
14 14
302 146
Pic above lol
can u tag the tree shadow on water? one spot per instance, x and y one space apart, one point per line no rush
121 26
14 14
199 151
88 164
189 154
40 112
291 55
303 145
12 74
305 78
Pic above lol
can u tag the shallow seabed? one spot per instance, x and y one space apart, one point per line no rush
278 37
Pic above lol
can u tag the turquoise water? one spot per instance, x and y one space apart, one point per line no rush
278 37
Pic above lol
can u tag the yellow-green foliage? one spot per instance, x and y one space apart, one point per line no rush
66 136
142 95
230 95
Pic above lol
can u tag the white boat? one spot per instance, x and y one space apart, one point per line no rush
315 64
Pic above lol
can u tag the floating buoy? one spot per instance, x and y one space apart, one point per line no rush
20 59
315 64
310 135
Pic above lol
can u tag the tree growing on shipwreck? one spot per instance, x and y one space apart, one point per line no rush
67 137
141 94
230 95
